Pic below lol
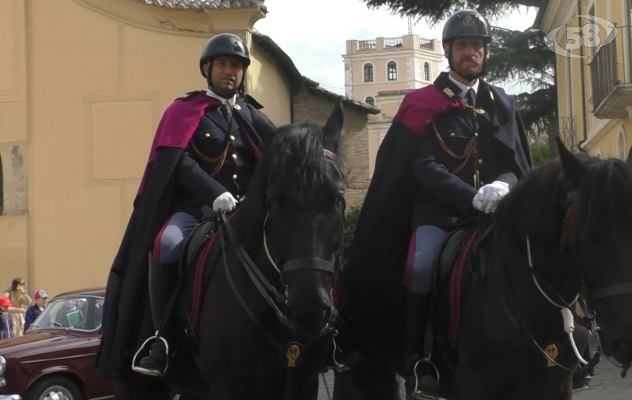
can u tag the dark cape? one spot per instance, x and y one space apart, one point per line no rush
127 317
372 279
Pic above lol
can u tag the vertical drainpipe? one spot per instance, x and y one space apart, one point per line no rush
581 54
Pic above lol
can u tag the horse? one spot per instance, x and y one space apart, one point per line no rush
560 237
267 314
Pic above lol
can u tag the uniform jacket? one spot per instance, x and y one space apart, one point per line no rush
443 167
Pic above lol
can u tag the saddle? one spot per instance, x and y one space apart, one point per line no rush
197 264
457 263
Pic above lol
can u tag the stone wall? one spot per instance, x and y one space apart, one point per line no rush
311 105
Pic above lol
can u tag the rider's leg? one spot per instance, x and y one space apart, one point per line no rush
420 269
163 274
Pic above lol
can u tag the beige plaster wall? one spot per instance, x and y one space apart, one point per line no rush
268 84
77 120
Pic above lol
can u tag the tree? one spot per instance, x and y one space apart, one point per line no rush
516 55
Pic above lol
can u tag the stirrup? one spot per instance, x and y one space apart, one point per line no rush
418 394
146 371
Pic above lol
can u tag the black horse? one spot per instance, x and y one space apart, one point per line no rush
266 321
565 230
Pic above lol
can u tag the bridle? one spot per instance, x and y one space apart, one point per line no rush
553 297
277 300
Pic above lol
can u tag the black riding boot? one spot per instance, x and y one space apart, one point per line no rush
417 312
162 281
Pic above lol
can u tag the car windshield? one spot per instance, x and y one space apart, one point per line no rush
73 312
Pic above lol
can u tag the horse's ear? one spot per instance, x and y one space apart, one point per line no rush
574 170
333 127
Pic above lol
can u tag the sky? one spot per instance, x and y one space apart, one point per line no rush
314 33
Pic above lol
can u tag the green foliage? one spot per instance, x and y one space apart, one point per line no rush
437 10
351 220
540 153
523 56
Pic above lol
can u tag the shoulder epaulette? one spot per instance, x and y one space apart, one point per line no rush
251 100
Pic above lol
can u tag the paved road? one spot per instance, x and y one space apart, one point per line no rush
607 384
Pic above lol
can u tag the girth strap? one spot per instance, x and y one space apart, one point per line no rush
615 290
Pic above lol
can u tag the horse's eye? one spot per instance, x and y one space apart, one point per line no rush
340 201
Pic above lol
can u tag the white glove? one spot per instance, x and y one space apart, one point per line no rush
489 195
224 202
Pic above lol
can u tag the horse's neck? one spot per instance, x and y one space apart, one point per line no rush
541 252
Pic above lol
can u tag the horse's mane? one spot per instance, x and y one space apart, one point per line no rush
298 160
536 205
604 200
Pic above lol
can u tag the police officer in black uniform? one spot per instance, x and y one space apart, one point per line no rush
213 172
466 161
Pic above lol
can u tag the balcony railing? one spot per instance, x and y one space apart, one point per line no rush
604 71
425 44
611 89
365 45
393 42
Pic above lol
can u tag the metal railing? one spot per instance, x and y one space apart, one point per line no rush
365 45
604 72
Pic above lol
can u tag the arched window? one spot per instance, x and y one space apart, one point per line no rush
622 145
370 101
426 71
368 72
391 69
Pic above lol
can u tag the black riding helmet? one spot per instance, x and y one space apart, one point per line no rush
225 44
466 23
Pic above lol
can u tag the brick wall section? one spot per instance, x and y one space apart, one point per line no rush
311 106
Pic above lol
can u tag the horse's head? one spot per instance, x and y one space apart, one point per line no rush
599 238
305 215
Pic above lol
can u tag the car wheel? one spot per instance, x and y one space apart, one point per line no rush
54 388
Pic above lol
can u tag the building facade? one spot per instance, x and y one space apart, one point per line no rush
594 86
382 71
83 84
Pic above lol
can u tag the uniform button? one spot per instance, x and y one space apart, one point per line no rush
232 137
482 183
207 134
452 134
235 177
234 156
480 161
476 134
238 197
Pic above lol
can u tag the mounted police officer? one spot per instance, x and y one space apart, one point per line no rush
202 159
466 162
455 149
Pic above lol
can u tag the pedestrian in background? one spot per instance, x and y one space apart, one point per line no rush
36 309
20 300
6 321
